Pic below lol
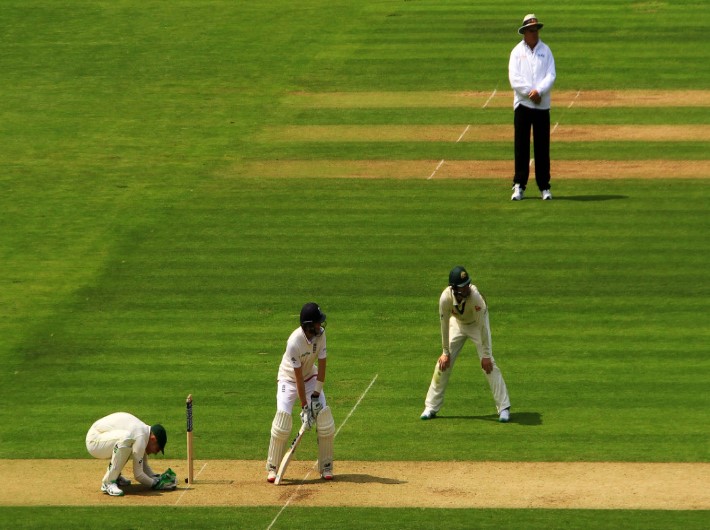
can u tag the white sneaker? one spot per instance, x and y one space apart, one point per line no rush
504 415
122 481
428 414
327 473
112 489
518 193
546 195
271 477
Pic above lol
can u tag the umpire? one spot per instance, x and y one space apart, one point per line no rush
532 74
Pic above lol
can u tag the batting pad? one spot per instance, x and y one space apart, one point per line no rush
118 459
280 429
326 433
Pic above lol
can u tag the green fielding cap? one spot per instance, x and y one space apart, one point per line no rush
458 277
160 434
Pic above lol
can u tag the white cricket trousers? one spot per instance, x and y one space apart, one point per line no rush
458 333
114 445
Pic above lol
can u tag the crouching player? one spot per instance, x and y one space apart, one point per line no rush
120 437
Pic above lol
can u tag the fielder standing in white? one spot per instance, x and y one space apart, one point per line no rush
120 437
300 378
462 301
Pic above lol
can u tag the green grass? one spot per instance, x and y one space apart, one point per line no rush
134 272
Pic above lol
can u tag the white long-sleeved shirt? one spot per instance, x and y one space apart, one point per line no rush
531 70
127 427
472 311
300 352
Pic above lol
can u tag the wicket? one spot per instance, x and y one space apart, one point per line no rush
190 468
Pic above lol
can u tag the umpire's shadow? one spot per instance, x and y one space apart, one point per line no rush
589 198
521 418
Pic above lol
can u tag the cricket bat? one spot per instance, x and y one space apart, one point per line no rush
289 454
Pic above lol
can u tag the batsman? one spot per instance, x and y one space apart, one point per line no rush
463 313
301 377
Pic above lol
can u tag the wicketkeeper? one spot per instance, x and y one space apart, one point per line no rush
120 437
300 379
463 313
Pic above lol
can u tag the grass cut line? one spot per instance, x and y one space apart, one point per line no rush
471 99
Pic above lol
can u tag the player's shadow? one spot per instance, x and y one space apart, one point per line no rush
589 198
521 418
355 478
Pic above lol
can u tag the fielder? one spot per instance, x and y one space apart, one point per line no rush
121 436
462 301
300 378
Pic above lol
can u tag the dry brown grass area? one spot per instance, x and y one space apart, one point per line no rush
602 485
469 169
481 133
498 98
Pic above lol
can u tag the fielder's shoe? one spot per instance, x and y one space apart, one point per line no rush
122 481
428 414
504 415
271 477
112 489
518 193
327 473
546 195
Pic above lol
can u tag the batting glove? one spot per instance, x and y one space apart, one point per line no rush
315 407
306 417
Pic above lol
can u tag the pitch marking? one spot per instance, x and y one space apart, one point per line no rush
189 486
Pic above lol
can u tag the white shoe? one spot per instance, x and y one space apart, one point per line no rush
327 473
518 193
428 415
546 195
122 481
504 415
112 489
271 477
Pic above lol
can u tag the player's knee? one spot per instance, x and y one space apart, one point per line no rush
281 426
325 423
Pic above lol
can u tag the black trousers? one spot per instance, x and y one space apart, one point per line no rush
539 121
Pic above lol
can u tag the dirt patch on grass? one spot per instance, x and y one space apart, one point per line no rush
482 133
597 485
498 98
469 169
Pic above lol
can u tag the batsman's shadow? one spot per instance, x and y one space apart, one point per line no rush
521 418
356 478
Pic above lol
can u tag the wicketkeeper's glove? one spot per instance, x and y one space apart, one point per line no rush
166 482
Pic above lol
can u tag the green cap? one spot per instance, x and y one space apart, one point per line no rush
160 434
458 277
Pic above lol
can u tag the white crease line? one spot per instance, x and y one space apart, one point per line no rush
575 98
312 468
189 487
490 98
463 133
437 169
554 128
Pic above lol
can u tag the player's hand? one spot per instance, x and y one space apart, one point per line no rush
306 417
165 483
315 407
487 364
535 96
444 362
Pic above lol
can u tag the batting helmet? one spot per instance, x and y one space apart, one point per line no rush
458 277
312 318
